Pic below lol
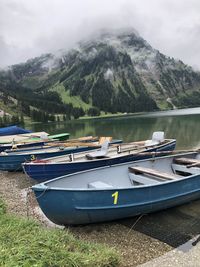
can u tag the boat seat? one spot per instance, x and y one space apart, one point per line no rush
157 138
99 185
99 153
97 156
187 161
143 180
183 170
152 172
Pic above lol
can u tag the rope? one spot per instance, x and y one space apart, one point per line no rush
140 217
26 175
42 193
196 241
30 204
27 201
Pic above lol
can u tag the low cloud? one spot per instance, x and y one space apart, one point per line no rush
30 28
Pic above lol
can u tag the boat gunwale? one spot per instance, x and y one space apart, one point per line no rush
34 152
47 188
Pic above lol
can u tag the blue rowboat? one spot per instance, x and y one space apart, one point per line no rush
59 166
27 145
49 144
12 161
120 191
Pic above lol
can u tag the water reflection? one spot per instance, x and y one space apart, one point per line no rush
185 128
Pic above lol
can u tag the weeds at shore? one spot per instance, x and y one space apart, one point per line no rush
23 242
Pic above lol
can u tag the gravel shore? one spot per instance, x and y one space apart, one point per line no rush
135 239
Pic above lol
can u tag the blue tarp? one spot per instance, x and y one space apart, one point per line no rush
11 130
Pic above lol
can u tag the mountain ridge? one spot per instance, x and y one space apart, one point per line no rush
112 72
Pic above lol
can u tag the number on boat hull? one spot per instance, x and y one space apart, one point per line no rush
33 157
115 196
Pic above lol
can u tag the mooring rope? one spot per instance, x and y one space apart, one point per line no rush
28 192
134 224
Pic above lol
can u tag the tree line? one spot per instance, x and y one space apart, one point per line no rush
7 120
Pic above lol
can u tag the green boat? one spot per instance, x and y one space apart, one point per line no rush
56 137
59 137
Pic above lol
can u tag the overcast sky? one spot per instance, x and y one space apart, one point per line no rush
29 28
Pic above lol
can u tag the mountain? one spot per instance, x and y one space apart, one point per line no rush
115 71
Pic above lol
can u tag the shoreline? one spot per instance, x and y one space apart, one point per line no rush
153 114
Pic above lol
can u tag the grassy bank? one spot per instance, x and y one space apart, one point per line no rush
24 242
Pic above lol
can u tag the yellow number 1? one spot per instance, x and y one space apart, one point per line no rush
115 195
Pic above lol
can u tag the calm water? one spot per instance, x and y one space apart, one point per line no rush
184 125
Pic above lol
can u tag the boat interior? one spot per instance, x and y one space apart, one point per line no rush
37 150
128 175
56 146
105 152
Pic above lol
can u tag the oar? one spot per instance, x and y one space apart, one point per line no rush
75 144
131 146
196 164
80 144
170 152
83 139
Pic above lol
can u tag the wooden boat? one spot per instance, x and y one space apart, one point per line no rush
49 168
120 191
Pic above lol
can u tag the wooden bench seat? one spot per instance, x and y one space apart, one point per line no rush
143 170
187 161
143 180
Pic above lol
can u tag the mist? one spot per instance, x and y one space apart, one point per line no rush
31 28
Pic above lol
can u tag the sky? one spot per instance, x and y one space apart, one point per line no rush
29 28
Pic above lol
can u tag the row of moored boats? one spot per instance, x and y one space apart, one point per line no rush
88 180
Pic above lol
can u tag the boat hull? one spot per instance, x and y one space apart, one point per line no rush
68 206
13 162
28 145
46 171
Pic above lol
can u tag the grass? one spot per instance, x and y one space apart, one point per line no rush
107 115
26 243
65 95
163 105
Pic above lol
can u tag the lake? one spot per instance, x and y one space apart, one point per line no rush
183 124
